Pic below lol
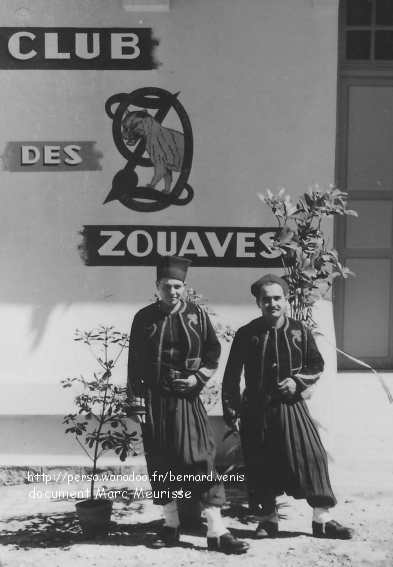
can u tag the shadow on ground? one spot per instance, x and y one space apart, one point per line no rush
62 530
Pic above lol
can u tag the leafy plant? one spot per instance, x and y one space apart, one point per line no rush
99 423
310 265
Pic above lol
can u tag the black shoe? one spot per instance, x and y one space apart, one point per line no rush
266 529
227 543
332 530
168 537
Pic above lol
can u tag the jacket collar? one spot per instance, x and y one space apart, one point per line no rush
264 326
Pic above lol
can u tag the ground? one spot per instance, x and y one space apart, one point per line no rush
45 532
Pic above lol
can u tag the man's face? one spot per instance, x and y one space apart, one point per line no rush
170 291
272 301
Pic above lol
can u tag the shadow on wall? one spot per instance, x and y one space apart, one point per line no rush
42 260
111 285
44 435
134 285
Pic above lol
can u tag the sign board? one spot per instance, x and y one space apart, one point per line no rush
77 48
225 247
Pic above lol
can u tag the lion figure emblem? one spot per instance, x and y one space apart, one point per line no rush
164 145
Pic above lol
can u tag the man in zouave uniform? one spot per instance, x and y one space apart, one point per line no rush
173 352
281 445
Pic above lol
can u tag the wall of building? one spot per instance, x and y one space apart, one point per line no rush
258 81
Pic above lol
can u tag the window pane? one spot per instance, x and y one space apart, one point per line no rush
358 45
384 13
373 228
370 138
366 324
358 12
384 44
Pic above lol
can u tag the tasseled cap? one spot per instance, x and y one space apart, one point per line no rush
266 280
173 267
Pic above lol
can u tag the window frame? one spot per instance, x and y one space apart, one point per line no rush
370 63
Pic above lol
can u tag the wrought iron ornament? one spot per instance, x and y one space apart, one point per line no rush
162 149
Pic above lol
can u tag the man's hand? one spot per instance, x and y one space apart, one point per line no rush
184 385
287 388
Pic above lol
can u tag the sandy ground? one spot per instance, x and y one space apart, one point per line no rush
45 532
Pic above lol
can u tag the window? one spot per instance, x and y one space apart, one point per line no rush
368 30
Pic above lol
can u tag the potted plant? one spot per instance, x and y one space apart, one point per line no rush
99 423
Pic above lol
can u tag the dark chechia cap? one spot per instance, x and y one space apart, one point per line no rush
266 280
172 267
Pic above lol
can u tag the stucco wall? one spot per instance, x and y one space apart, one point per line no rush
258 80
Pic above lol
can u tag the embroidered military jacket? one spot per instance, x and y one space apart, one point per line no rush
296 356
200 348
